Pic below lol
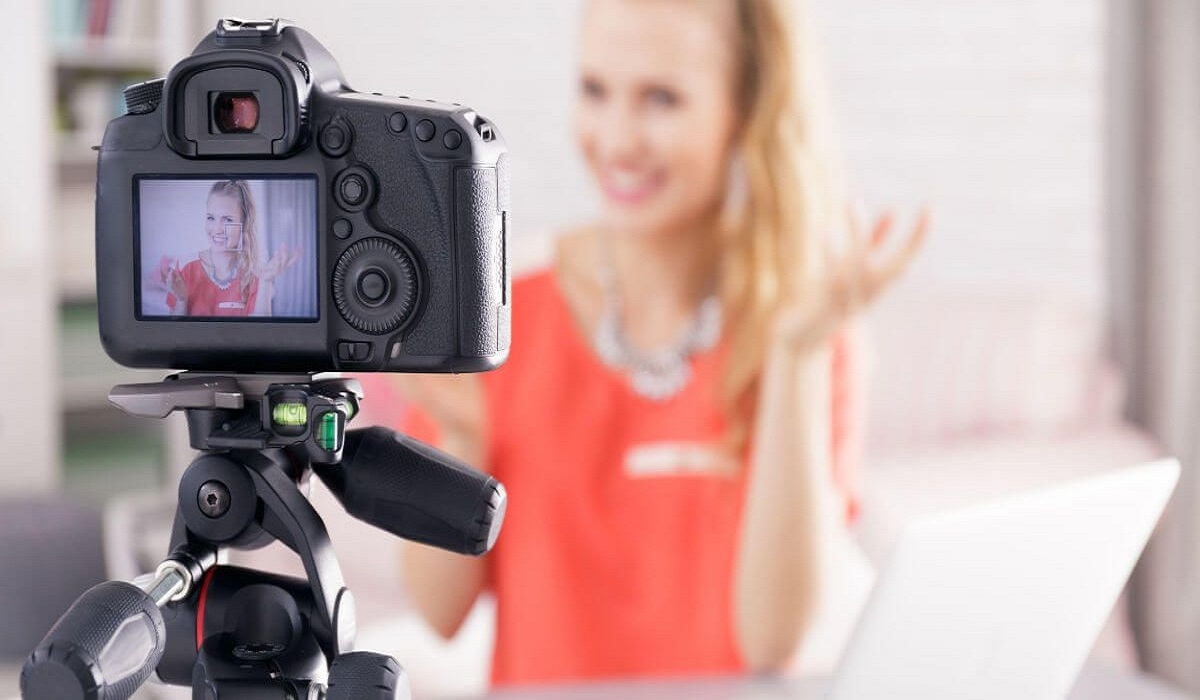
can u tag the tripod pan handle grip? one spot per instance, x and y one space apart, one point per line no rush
415 491
105 646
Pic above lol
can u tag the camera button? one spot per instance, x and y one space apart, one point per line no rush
452 139
342 228
354 351
335 139
373 287
426 130
353 190
397 122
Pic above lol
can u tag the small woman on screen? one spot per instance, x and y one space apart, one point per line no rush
228 279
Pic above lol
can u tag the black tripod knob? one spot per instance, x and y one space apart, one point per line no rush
103 648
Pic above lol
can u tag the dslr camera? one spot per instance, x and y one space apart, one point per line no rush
253 213
258 223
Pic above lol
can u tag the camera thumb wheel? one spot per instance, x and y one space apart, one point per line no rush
362 675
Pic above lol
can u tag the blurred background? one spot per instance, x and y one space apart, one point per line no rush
1048 330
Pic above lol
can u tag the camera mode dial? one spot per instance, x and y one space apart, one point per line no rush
375 285
143 98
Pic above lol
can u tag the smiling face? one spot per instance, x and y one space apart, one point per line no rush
655 118
223 222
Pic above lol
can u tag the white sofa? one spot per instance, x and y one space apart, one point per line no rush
976 392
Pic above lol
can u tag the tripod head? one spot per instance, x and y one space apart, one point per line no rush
383 478
261 437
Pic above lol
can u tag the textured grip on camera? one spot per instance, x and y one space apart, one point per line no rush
105 646
417 492
482 268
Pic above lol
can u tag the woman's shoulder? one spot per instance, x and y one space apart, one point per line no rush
194 267
553 267
544 299
533 283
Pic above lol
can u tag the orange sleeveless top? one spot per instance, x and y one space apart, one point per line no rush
617 554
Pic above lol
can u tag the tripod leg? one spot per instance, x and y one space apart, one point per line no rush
362 675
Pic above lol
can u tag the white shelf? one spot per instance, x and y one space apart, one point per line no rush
77 149
86 74
77 283
73 227
108 54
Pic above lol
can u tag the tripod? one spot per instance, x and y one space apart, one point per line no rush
236 633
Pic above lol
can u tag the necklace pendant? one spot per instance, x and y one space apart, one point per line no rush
663 384
660 375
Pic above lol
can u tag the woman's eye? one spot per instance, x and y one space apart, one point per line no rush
592 89
662 97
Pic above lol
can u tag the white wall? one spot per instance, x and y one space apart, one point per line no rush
990 110
29 428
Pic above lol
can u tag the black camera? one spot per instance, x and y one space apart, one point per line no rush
253 213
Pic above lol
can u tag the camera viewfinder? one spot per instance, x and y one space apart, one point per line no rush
235 112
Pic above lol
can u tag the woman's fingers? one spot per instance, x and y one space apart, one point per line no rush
176 283
859 276
883 226
855 277
891 268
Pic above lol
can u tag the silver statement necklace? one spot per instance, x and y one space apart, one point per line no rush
659 374
222 282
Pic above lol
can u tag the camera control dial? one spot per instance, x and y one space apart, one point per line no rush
143 98
375 285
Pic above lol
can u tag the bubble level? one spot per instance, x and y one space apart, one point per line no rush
290 414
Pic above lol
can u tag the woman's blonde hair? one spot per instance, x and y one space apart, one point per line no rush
785 194
247 261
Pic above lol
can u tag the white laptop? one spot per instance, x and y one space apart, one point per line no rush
1004 600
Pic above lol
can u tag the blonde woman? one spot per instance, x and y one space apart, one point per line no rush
675 425
227 279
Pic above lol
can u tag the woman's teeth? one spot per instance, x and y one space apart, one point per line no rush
630 186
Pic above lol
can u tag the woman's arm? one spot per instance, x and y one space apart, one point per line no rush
263 293
264 284
786 526
442 585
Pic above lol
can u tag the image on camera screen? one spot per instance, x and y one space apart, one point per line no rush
227 248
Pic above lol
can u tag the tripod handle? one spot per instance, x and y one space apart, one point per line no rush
410 489
106 645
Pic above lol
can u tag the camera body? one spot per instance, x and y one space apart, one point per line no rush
254 214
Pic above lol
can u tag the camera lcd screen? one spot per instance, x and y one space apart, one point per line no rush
227 249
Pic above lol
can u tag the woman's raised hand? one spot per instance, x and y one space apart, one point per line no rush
852 279
283 258
175 283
